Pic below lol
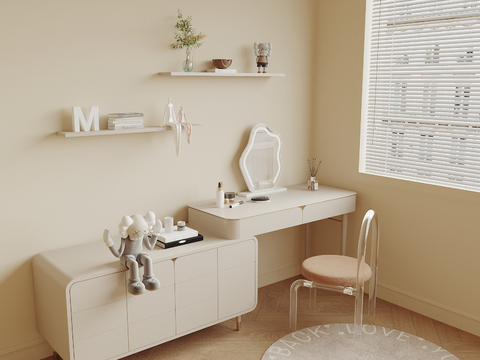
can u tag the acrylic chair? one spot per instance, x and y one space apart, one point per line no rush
343 274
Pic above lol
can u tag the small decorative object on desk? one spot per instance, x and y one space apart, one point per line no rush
312 183
188 39
136 231
262 52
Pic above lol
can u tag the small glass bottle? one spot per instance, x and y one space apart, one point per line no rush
220 199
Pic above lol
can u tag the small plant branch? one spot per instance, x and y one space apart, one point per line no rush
311 166
185 35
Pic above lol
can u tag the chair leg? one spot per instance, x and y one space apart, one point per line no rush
358 317
293 303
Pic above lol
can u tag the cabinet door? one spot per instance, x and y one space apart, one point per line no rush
237 278
151 316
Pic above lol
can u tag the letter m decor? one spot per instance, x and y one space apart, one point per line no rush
78 119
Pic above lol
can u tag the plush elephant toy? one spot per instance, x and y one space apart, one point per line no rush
136 231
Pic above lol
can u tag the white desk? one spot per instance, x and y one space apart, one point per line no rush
289 208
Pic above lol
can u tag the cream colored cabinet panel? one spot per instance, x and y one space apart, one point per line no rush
97 320
196 315
151 330
270 222
237 301
236 255
150 303
328 209
98 291
196 265
164 272
103 346
196 290
85 312
236 278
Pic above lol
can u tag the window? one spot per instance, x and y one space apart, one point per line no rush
421 94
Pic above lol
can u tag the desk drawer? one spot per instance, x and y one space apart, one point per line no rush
262 224
329 209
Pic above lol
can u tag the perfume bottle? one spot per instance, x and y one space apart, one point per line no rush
220 195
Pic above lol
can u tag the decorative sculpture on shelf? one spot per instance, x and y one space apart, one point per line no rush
262 52
136 231
169 120
182 120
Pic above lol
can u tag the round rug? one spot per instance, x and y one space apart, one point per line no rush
335 342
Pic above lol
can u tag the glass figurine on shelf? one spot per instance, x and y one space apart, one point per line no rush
312 183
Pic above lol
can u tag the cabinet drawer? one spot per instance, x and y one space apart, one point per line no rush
196 290
197 315
98 320
103 346
237 301
196 265
97 291
151 330
163 271
150 303
236 278
235 255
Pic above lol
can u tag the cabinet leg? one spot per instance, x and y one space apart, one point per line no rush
56 356
239 323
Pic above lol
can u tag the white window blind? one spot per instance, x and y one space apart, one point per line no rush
421 95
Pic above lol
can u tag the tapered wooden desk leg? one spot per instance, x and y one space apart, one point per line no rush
239 323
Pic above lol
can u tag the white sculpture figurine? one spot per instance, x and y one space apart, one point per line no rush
135 231
169 120
182 120
262 52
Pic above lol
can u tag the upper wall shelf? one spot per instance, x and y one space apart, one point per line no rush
181 73
112 132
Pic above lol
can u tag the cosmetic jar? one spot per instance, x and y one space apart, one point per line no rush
229 198
180 225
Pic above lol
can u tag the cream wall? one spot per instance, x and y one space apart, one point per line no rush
429 250
58 192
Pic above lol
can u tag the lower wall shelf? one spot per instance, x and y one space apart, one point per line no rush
112 132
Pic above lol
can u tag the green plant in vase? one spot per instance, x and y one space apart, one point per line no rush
186 37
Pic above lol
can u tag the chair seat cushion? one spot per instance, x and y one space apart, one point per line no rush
336 270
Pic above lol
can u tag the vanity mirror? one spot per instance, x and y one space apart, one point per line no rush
261 161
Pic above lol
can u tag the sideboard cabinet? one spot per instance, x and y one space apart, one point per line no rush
85 312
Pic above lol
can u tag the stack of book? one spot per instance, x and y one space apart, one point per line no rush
123 121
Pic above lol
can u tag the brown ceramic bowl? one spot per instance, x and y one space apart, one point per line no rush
222 63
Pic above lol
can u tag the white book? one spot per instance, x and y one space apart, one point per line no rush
125 115
224 71
125 121
124 127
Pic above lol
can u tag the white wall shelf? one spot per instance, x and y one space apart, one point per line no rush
112 132
115 132
211 74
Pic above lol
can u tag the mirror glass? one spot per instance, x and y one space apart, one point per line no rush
261 161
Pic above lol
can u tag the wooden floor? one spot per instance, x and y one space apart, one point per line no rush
269 321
